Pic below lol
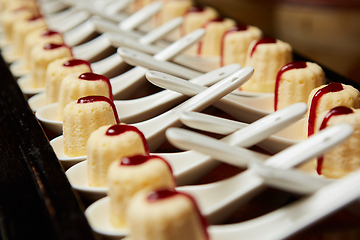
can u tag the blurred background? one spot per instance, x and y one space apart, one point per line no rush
325 31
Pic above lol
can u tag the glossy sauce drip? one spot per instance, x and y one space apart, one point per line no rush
51 46
196 9
168 193
76 62
90 99
218 19
332 87
34 18
119 129
341 110
89 76
287 67
265 40
48 33
237 28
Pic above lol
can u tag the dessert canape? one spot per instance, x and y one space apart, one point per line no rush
295 81
235 43
165 214
41 56
77 85
84 116
344 158
129 175
57 70
110 143
267 56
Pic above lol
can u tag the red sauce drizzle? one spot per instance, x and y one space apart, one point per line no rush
341 110
287 67
167 193
237 28
34 18
76 62
265 40
89 76
195 9
90 99
218 19
332 87
119 129
48 33
51 46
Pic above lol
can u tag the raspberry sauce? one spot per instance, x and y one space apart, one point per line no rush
119 129
332 87
48 33
168 193
237 28
91 99
34 18
265 40
287 67
89 76
341 110
76 62
51 46
195 9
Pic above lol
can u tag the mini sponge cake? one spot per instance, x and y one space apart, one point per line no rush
295 81
84 116
326 97
130 175
165 214
57 70
267 56
173 9
344 158
210 44
110 143
77 85
41 56
235 43
38 36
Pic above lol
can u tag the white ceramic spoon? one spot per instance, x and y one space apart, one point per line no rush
77 174
126 83
98 215
154 129
109 65
53 6
230 104
235 191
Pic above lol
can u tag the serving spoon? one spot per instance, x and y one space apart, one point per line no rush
124 84
193 165
300 214
234 191
154 128
108 65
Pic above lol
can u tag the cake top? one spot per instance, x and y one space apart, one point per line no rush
122 128
265 40
49 32
91 99
76 62
53 46
90 76
141 159
196 9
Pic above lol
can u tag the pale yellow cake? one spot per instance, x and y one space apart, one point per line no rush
173 9
165 214
236 42
130 175
295 81
110 143
56 71
267 56
81 118
75 86
41 56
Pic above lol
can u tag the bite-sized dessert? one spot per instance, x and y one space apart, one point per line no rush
129 175
165 214
235 43
41 56
344 158
11 14
172 9
21 28
57 70
84 116
39 36
210 44
77 85
295 81
326 97
110 143
267 56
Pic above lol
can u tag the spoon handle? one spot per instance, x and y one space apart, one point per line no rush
141 16
116 7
